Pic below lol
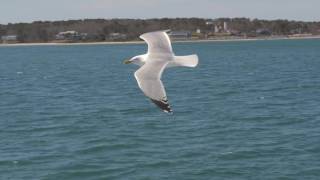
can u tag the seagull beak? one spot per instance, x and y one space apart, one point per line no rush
126 62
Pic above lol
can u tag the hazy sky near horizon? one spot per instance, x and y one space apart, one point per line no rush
12 11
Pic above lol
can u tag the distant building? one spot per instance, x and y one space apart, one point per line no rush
209 23
296 31
66 35
235 32
117 36
216 29
180 34
9 39
225 27
265 32
197 34
71 35
220 27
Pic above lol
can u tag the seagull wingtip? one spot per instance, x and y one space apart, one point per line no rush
170 112
163 104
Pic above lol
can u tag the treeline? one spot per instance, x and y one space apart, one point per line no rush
99 29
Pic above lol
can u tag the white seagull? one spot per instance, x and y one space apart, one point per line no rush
158 57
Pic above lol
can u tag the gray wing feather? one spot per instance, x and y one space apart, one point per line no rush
149 81
158 42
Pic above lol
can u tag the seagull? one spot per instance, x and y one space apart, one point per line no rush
153 63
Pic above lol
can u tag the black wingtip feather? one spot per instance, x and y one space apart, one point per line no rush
164 105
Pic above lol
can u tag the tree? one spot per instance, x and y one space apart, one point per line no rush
21 36
3 31
43 35
97 29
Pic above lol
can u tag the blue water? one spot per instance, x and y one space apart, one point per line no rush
250 110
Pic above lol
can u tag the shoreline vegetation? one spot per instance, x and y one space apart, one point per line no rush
232 39
125 31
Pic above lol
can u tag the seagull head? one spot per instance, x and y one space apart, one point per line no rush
138 60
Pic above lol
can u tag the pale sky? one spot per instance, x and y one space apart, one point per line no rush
12 11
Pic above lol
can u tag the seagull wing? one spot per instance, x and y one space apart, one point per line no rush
158 42
149 81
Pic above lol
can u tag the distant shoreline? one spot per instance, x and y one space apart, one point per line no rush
227 39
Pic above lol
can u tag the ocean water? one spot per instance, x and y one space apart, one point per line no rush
250 110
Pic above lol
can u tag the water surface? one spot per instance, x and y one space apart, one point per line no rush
250 110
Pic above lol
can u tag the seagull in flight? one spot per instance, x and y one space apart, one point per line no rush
152 64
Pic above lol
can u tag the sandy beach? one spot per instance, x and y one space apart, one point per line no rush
174 41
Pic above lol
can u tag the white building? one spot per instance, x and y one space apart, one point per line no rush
9 38
71 35
225 27
117 36
216 29
180 34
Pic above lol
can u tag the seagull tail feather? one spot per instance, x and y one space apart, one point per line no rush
185 61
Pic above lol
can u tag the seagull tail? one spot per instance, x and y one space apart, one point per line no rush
185 61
